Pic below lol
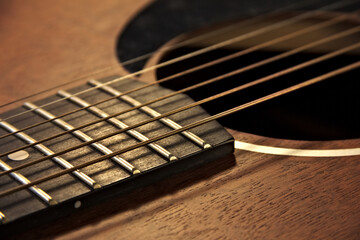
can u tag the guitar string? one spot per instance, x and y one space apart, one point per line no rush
204 50
189 126
340 18
225 29
277 74
165 49
332 21
242 52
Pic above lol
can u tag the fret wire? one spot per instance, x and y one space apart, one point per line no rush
34 189
151 112
82 136
332 6
176 75
2 218
119 124
261 80
45 150
198 123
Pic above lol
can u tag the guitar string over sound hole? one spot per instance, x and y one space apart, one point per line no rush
325 111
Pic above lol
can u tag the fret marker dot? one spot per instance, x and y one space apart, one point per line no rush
77 204
18 156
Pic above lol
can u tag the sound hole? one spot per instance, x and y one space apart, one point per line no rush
329 110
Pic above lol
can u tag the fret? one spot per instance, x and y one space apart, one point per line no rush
82 136
2 218
45 150
71 193
151 112
22 179
117 123
34 189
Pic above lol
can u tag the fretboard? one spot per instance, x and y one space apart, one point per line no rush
115 175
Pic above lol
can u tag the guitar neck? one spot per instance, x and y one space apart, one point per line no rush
115 175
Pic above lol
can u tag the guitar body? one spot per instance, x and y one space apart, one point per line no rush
257 193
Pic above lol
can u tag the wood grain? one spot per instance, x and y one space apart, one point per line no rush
44 44
245 196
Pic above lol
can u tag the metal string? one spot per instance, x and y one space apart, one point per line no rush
240 53
295 87
189 126
332 6
261 80
165 49
252 66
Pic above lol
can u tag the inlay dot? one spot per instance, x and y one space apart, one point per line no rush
77 204
18 156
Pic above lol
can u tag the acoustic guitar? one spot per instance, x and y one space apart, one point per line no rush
178 119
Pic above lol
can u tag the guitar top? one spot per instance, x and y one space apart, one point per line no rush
261 173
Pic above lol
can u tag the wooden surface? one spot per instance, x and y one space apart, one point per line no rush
245 196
